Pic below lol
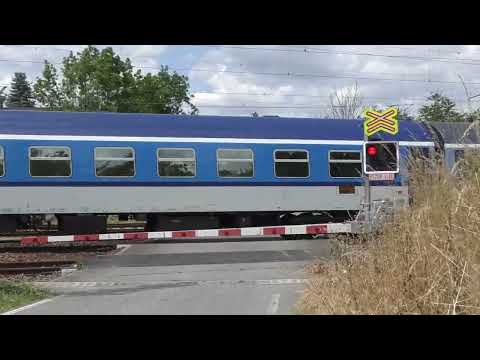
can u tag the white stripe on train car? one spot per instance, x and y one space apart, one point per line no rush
176 139
462 146
197 140
417 143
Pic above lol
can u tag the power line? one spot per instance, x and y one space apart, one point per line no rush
389 99
272 106
312 50
27 61
276 105
272 74
316 51
418 48
151 57
307 75
288 74
65 50
38 47
418 98
263 107
295 48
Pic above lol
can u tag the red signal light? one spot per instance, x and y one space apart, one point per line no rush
372 150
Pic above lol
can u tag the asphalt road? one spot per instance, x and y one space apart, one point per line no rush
254 277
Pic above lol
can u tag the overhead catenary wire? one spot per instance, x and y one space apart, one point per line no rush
308 50
151 57
395 99
465 61
265 94
287 74
418 48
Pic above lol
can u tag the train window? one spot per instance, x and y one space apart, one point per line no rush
176 162
114 161
2 162
345 164
235 162
291 163
50 161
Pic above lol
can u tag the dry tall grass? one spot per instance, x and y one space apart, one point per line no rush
427 261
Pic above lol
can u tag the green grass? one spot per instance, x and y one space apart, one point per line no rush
16 294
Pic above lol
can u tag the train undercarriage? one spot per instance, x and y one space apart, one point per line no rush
99 223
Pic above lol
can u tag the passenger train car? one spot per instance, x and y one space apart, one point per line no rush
183 171
457 138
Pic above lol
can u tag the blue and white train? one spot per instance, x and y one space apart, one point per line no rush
184 171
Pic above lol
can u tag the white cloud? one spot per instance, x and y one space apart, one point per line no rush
29 58
247 71
142 55
347 64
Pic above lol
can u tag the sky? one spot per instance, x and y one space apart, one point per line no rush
288 80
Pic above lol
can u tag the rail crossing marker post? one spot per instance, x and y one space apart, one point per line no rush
375 122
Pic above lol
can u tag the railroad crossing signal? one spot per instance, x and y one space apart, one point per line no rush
378 121
381 157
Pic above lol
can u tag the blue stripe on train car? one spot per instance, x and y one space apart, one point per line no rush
83 165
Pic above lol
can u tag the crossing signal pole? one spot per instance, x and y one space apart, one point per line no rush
368 195
380 158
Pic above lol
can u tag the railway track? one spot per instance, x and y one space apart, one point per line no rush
36 267
46 260
14 246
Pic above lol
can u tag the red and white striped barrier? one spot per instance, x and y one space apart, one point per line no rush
209 233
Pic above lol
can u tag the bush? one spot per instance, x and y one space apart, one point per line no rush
426 261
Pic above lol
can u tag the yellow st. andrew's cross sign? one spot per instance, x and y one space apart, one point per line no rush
377 121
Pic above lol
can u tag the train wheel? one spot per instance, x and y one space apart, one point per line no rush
240 221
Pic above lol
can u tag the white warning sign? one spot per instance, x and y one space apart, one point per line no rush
381 177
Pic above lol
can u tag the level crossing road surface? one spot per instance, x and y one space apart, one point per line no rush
201 278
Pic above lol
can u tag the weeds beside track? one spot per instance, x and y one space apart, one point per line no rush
426 261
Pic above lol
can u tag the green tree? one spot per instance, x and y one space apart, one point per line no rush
47 90
95 80
20 92
471 116
160 93
3 97
440 109
99 80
